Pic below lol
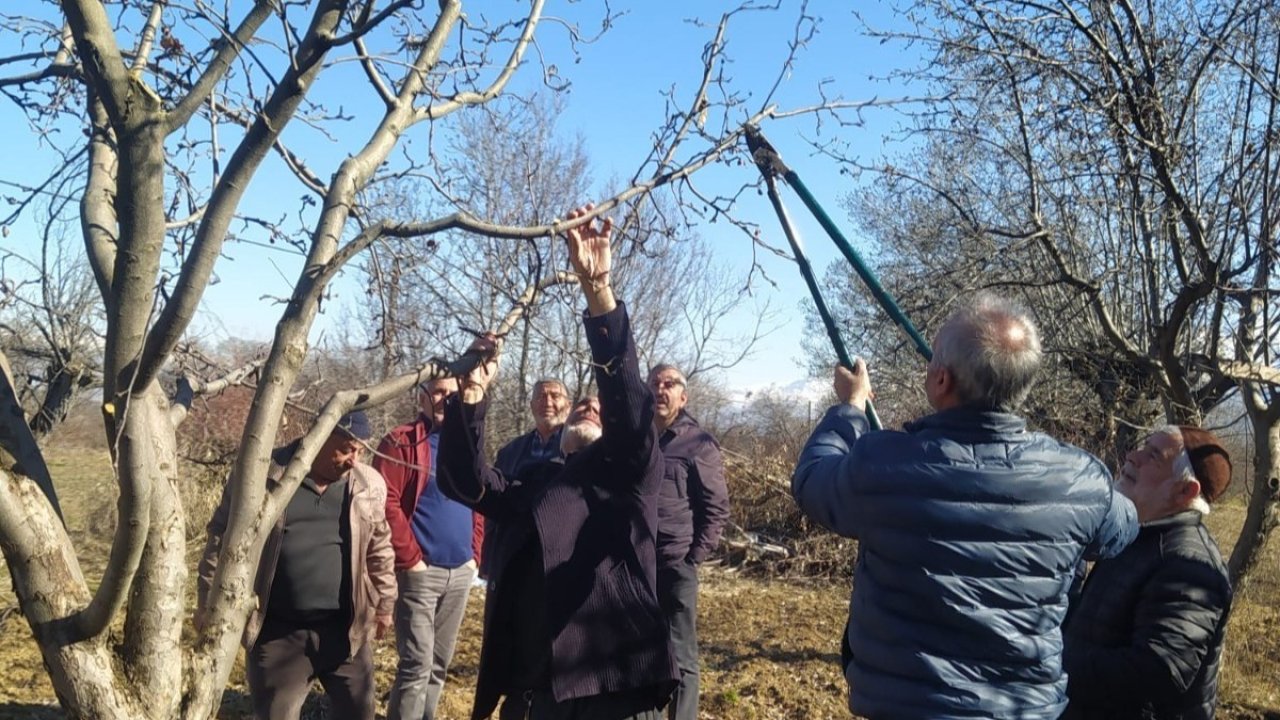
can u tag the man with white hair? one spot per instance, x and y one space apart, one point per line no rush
549 405
582 427
1145 638
574 626
969 529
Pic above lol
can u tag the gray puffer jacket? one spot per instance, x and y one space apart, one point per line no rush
970 529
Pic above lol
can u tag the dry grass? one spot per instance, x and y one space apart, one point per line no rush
769 645
1250 676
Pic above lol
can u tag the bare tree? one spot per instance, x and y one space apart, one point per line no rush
509 164
1115 164
158 117
50 327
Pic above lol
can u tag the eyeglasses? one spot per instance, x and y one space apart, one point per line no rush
666 384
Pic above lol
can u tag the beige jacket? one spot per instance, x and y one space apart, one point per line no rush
372 571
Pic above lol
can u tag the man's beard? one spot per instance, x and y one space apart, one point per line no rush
577 436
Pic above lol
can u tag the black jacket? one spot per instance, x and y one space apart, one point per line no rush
593 519
1145 639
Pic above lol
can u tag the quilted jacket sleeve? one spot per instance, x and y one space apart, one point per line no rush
1179 612
1119 525
823 483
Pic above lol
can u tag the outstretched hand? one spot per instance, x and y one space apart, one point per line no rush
476 382
591 255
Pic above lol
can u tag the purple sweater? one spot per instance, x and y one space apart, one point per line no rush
595 515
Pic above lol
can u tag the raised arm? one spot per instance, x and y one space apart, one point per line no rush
626 403
823 483
591 254
463 471
1118 528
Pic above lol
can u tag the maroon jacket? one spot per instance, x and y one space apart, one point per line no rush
595 515
403 459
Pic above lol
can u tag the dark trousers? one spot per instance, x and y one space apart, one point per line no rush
678 595
514 707
641 704
287 657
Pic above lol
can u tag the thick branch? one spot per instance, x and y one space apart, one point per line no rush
98 203
1249 372
266 129
147 39
101 59
17 440
137 467
188 388
463 99
228 50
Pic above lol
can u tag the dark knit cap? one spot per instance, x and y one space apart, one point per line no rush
1209 460
356 424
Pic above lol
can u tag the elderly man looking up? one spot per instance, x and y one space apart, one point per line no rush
574 624
970 528
1144 641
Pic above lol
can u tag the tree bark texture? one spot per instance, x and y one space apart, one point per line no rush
1264 500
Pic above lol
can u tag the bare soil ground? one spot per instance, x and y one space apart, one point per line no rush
769 645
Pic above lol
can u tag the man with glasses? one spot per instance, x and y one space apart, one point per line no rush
693 506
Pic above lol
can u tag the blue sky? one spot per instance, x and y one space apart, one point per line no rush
654 46
615 103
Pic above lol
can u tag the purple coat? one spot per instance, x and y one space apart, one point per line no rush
595 515
693 505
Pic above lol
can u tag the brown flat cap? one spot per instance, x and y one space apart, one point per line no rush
1209 460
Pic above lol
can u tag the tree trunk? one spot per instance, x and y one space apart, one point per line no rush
151 650
1264 499
52 592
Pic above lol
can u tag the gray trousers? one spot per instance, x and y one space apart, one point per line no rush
628 705
429 610
678 596
286 658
